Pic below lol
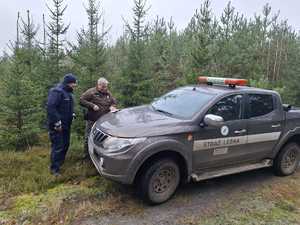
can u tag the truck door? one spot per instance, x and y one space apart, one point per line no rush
219 146
264 125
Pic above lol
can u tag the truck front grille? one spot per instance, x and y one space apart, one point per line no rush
98 136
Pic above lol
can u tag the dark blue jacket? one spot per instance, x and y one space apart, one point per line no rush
60 106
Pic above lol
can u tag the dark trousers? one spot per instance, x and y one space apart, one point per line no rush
60 142
88 126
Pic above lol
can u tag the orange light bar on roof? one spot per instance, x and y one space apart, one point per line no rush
222 81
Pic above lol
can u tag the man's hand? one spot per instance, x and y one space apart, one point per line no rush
58 129
96 108
58 126
113 109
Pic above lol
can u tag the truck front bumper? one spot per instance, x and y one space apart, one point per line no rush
112 167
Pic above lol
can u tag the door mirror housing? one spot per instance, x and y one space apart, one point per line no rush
213 120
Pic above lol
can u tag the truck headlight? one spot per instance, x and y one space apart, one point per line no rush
116 145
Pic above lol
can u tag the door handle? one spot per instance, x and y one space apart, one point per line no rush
240 131
276 125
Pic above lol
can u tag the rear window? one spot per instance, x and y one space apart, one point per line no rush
260 104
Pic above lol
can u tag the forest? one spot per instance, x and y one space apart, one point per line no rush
147 60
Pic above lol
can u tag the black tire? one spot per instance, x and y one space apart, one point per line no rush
159 181
287 160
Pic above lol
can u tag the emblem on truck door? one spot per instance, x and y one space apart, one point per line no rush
224 130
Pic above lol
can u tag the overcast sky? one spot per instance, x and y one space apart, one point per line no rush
180 10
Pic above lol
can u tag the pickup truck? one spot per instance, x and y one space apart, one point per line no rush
215 128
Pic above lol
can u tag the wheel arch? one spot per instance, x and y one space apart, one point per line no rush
291 139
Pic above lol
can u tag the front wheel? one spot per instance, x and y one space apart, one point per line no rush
159 181
287 160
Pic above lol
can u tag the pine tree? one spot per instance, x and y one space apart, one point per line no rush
35 61
90 52
231 29
157 52
56 30
203 33
31 46
164 52
136 85
19 105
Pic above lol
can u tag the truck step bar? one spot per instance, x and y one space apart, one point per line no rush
233 170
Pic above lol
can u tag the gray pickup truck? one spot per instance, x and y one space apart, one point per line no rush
196 133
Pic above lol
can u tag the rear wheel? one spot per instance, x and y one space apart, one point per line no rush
287 160
159 181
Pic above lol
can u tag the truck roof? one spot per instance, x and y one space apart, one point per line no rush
223 89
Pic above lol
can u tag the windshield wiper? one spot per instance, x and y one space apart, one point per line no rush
164 112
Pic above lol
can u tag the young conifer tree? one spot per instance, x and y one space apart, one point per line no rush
163 53
202 34
19 102
56 30
89 54
135 85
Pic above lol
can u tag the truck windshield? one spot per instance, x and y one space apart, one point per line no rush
184 103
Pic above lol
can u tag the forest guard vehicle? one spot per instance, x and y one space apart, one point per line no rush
216 128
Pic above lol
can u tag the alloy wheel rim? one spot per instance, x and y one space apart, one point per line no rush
290 159
164 180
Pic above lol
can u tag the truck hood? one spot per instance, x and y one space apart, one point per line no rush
141 121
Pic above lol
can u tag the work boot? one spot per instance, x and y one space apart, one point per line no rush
55 173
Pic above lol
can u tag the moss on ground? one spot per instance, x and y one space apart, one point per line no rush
29 194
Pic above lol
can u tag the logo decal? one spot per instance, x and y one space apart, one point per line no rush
220 151
224 130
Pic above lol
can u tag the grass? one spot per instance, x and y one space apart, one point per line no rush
30 195
276 204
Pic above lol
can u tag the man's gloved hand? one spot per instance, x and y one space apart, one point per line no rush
96 108
58 126
74 116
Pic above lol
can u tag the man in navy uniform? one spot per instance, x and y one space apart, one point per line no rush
60 110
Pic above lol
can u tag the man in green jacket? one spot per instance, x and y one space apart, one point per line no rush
98 101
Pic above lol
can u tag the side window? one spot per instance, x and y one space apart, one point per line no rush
260 105
230 108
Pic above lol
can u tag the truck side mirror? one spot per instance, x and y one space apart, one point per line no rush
213 120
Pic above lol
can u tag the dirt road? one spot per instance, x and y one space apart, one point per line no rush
194 201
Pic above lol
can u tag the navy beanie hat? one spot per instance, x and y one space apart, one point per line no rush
69 78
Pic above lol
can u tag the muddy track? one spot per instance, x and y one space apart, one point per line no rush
191 202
